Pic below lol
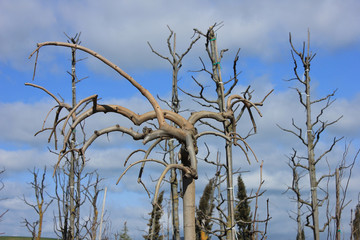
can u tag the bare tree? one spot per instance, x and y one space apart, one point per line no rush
92 189
343 173
309 136
40 206
176 62
223 91
295 188
73 186
185 132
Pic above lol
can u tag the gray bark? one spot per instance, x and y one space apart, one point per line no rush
230 231
311 154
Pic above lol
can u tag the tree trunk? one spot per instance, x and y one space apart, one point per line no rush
310 150
174 195
230 231
73 142
189 207
338 207
41 216
188 195
298 215
311 158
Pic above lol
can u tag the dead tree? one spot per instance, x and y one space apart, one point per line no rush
343 173
72 183
310 135
176 62
295 188
185 132
40 206
92 189
223 91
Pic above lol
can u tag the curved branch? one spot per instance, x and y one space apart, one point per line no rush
146 156
142 90
218 116
137 162
239 98
237 137
168 167
72 112
212 133
116 128
62 104
61 157
135 118
130 155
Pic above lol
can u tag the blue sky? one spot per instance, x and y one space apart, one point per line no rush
120 30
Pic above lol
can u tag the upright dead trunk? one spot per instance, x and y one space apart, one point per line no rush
72 145
338 206
300 228
41 216
175 106
310 148
315 126
230 231
176 62
174 195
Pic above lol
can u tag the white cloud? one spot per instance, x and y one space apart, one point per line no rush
120 30
20 121
25 159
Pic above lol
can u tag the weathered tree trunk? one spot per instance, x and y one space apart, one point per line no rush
314 128
189 207
298 203
230 231
174 195
72 144
188 196
176 63
338 207
310 150
175 105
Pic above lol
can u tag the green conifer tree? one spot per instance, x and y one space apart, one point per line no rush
154 221
356 223
124 233
205 210
243 212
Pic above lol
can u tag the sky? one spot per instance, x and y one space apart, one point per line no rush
120 31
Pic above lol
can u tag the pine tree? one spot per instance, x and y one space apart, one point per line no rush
154 221
356 223
243 212
124 233
205 210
